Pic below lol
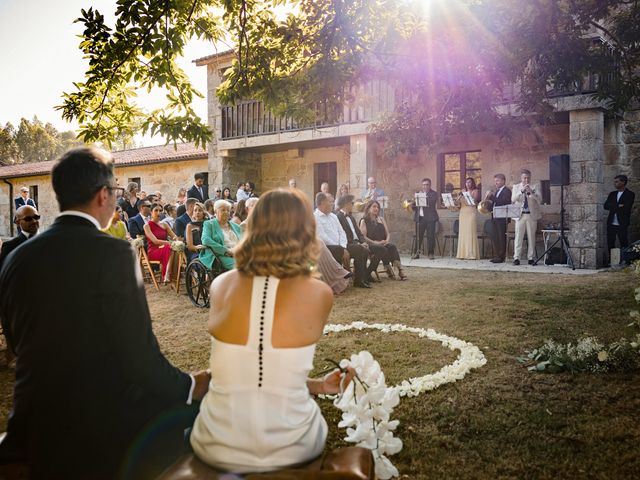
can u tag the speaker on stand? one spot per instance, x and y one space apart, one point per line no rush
559 176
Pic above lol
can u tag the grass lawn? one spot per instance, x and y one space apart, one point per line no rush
500 421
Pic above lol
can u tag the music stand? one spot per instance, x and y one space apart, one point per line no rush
420 200
507 211
564 243
383 201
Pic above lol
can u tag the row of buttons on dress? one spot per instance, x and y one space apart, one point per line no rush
260 344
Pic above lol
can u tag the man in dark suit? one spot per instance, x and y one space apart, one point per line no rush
356 245
28 220
137 222
426 218
180 225
199 191
91 381
502 196
24 199
619 204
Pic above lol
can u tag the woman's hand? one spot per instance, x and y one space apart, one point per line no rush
336 381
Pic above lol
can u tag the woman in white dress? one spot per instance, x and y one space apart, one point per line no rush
259 414
468 232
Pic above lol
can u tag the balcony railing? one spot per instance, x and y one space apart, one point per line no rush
250 118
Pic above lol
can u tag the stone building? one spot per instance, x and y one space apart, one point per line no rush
162 168
250 143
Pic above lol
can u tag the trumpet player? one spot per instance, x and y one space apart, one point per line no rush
426 219
501 196
526 195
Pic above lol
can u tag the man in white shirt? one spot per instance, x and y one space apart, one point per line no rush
329 229
527 196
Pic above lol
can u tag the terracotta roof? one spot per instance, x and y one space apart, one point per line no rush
123 158
204 60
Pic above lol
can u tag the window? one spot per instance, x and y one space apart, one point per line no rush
33 193
454 168
137 180
325 172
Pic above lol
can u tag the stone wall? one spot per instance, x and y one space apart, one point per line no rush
623 158
165 177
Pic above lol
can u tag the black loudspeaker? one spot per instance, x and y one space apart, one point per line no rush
559 170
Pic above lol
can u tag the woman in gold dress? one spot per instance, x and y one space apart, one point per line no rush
467 233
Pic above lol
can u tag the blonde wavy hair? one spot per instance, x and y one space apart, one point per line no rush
280 237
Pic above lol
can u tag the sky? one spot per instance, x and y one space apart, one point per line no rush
40 60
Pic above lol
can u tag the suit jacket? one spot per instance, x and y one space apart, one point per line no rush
503 199
19 202
430 212
534 200
10 245
89 373
622 208
213 238
195 193
342 218
181 224
136 226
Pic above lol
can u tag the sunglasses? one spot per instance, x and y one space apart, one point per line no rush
30 218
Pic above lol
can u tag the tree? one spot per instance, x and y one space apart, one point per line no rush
36 142
9 153
449 58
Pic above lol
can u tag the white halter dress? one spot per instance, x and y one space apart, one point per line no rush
258 414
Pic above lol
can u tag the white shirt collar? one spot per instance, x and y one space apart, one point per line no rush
86 216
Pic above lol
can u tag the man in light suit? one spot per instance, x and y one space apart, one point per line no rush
199 191
24 199
501 197
528 197
28 220
619 204
94 397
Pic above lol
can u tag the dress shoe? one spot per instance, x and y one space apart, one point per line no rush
516 262
348 275
496 260
530 262
361 285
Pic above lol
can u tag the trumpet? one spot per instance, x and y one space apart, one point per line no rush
359 205
408 205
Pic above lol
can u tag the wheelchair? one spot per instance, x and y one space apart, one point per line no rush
198 280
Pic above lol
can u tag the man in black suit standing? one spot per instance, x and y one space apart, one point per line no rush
24 199
28 220
502 196
199 191
426 218
356 245
619 204
91 381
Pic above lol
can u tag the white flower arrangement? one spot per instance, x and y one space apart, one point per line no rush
366 406
470 356
137 242
177 246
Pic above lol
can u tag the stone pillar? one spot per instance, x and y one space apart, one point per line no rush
361 161
584 196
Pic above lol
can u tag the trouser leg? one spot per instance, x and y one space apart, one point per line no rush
337 251
623 236
422 226
360 255
431 237
519 237
531 237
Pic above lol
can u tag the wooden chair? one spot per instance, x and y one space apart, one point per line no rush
182 267
146 266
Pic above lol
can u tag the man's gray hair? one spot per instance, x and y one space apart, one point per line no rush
321 197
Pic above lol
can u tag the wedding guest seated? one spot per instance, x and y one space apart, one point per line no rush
28 220
221 236
171 213
376 234
193 233
240 212
116 227
158 235
332 272
137 222
209 212
181 198
259 414
248 205
183 220
226 195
